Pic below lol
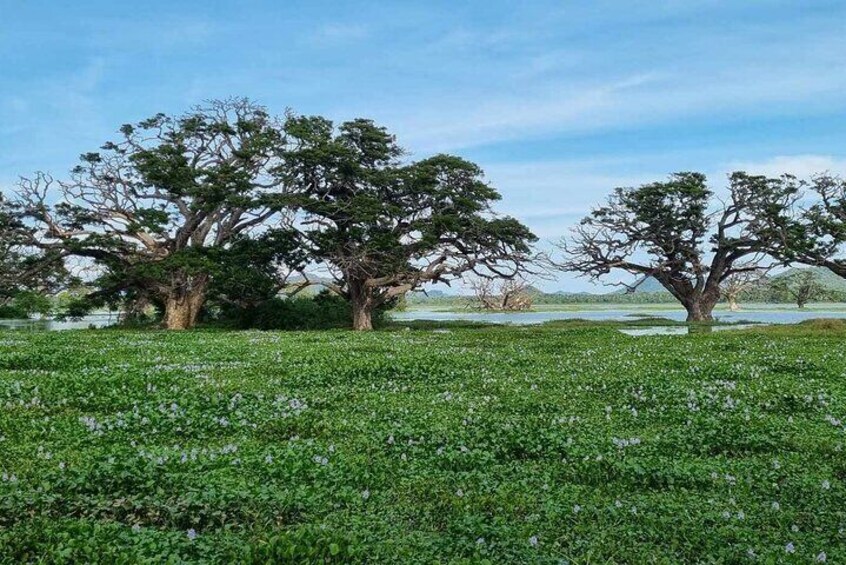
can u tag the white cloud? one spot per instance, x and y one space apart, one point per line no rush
551 196
802 166
530 94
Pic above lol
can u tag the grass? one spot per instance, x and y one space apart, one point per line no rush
506 444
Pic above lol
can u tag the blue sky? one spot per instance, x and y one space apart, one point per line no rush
558 101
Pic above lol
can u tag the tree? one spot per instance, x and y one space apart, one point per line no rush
814 234
504 295
742 281
801 285
258 268
665 230
24 268
159 208
383 228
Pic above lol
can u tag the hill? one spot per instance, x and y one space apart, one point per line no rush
828 280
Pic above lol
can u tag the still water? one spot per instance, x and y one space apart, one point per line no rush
775 316
92 321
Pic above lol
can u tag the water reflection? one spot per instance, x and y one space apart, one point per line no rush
92 321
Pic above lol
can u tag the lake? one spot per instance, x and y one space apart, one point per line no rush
94 320
774 316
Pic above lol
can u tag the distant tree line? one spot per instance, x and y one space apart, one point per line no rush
795 286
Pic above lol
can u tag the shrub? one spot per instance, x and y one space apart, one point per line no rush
11 311
323 311
25 304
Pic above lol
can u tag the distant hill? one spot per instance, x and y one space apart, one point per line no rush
828 280
650 285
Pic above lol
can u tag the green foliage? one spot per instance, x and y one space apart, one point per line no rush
671 217
11 312
384 226
664 230
167 209
247 272
25 305
32 303
800 284
505 445
320 312
26 270
814 233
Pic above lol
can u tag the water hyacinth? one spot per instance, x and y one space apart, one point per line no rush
244 436
533 541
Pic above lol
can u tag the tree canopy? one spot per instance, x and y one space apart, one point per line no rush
24 267
159 208
383 227
812 228
669 231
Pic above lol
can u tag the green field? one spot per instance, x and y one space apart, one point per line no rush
547 444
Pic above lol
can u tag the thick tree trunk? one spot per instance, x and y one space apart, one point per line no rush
700 305
182 306
695 312
700 309
361 300
362 318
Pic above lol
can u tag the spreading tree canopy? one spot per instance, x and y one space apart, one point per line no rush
160 208
813 229
672 231
384 227
24 267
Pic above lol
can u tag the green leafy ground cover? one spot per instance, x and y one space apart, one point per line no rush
577 445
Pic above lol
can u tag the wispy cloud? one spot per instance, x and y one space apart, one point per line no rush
802 166
552 196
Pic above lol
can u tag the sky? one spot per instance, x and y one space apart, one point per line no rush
559 102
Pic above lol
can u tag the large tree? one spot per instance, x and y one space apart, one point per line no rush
158 208
24 267
672 231
813 229
383 227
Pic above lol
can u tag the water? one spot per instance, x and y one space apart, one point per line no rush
774 316
94 320
681 330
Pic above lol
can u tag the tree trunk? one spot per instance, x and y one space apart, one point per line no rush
182 306
733 305
362 318
700 309
361 300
